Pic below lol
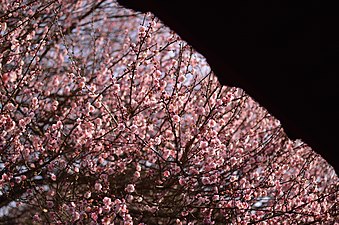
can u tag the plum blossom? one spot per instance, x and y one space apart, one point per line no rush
76 216
97 186
205 180
107 116
176 119
53 177
167 173
107 201
203 144
181 78
87 194
130 188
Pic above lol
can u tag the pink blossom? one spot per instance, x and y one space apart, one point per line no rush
181 78
176 119
13 75
233 160
5 78
107 200
247 197
205 180
3 26
82 84
121 127
53 177
50 204
130 198
201 111
36 217
158 73
94 216
203 144
116 87
130 188
233 178
76 216
163 84
182 181
97 186
106 221
142 29
138 167
166 173
136 174
212 123
215 198
184 213
5 177
134 129
87 194
10 106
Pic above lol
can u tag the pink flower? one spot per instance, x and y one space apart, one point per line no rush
134 129
215 197
10 125
181 78
106 221
176 119
136 174
82 85
247 197
5 78
35 101
94 216
23 177
233 178
5 177
142 29
121 127
205 180
129 198
53 177
203 144
36 217
130 188
158 73
107 201
91 108
116 87
184 213
87 194
76 216
138 167
3 26
167 173
233 161
50 204
201 111
163 84
212 123
10 106
97 186
13 76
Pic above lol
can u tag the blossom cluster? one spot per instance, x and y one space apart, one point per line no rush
108 117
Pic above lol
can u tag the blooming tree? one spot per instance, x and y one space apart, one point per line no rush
108 117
